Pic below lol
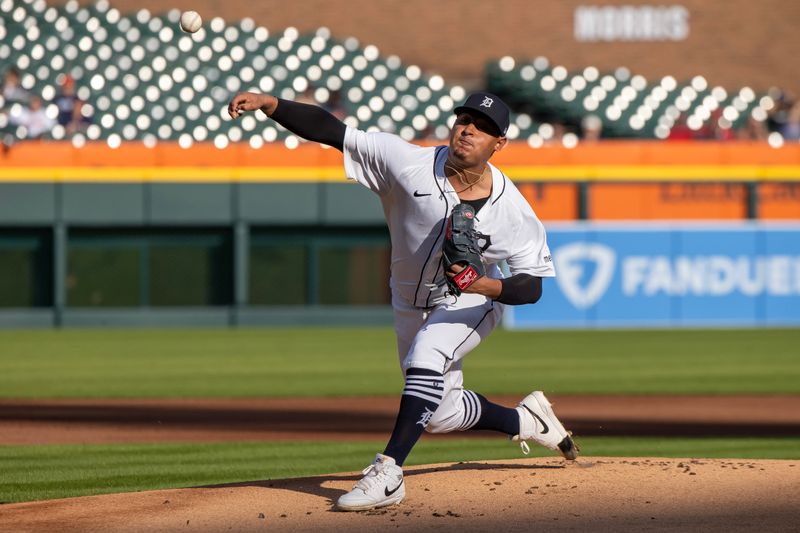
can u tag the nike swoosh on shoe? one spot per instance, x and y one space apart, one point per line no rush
545 427
388 492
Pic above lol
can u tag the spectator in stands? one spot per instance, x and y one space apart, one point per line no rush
791 128
307 96
783 103
428 133
12 90
334 105
753 130
69 106
715 124
556 134
591 128
680 130
559 130
35 120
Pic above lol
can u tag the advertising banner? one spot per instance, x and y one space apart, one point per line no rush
668 275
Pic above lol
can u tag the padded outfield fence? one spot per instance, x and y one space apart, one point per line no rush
167 235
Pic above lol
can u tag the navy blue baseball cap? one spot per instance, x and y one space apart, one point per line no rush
488 105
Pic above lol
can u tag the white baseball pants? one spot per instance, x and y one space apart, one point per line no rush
438 338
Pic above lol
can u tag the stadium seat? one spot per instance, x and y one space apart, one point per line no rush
139 73
143 59
628 105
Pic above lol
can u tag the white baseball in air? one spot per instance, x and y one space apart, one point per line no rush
191 21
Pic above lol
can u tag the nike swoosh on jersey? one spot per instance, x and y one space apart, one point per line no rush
419 194
388 492
539 418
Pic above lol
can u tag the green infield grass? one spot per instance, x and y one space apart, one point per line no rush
362 361
45 472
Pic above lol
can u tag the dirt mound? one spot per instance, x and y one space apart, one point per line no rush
597 494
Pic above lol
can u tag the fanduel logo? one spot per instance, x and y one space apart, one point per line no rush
572 262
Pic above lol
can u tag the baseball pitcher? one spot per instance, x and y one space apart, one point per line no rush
452 217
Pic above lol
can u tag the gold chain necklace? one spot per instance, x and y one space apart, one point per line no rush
462 176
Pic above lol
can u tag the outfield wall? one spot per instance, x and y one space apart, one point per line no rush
168 236
669 275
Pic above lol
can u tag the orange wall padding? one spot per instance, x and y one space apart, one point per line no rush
552 201
779 201
667 201
643 180
38 154
48 154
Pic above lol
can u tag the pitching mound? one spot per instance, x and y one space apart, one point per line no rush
593 494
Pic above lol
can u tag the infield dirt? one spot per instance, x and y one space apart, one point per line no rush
108 421
592 494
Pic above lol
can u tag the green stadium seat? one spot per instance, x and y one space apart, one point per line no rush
144 59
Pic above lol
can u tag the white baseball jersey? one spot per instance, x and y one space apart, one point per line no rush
417 199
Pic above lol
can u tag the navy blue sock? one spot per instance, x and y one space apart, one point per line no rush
421 397
497 418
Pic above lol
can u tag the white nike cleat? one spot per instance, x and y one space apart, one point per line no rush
381 485
538 422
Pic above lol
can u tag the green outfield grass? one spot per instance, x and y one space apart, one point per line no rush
362 361
45 472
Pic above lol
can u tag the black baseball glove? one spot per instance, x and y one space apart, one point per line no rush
461 247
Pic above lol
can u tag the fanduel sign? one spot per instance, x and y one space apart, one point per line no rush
737 275
631 23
